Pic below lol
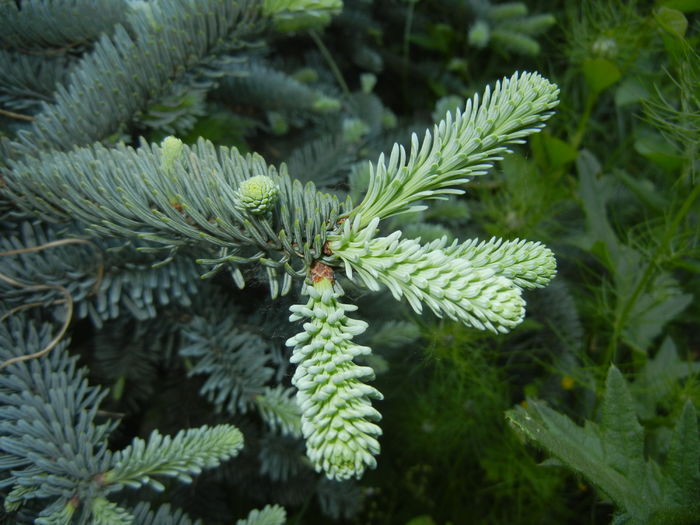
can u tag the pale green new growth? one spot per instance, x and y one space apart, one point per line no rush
171 149
235 210
269 515
460 147
294 15
257 195
105 512
188 452
336 416
470 289
528 264
63 514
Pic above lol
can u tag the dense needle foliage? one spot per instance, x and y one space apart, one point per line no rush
412 262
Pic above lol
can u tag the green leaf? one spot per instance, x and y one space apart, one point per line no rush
294 15
656 306
672 21
645 190
579 448
685 6
683 461
658 149
594 192
630 91
623 436
552 152
600 74
610 455
657 379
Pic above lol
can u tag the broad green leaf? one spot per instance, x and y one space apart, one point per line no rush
594 192
645 191
657 378
630 91
623 436
685 6
579 448
672 21
551 152
683 461
611 455
600 74
659 304
657 149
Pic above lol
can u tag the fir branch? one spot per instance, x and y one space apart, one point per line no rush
28 80
105 512
394 335
460 147
458 287
170 42
268 515
340 500
235 362
190 199
164 515
280 410
187 453
104 280
266 88
38 24
324 161
51 447
282 458
335 404
528 264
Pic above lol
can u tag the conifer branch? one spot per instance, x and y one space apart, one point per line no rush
183 195
163 515
187 453
163 45
41 24
268 515
336 414
460 147
528 264
279 409
458 287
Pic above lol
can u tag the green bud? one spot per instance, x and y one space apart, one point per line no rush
171 148
479 34
326 105
257 195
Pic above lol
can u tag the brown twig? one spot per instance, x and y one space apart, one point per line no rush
63 242
69 315
68 299
12 114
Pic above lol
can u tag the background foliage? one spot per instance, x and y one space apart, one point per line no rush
602 376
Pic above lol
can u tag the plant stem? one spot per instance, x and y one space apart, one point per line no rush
583 122
611 352
329 60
